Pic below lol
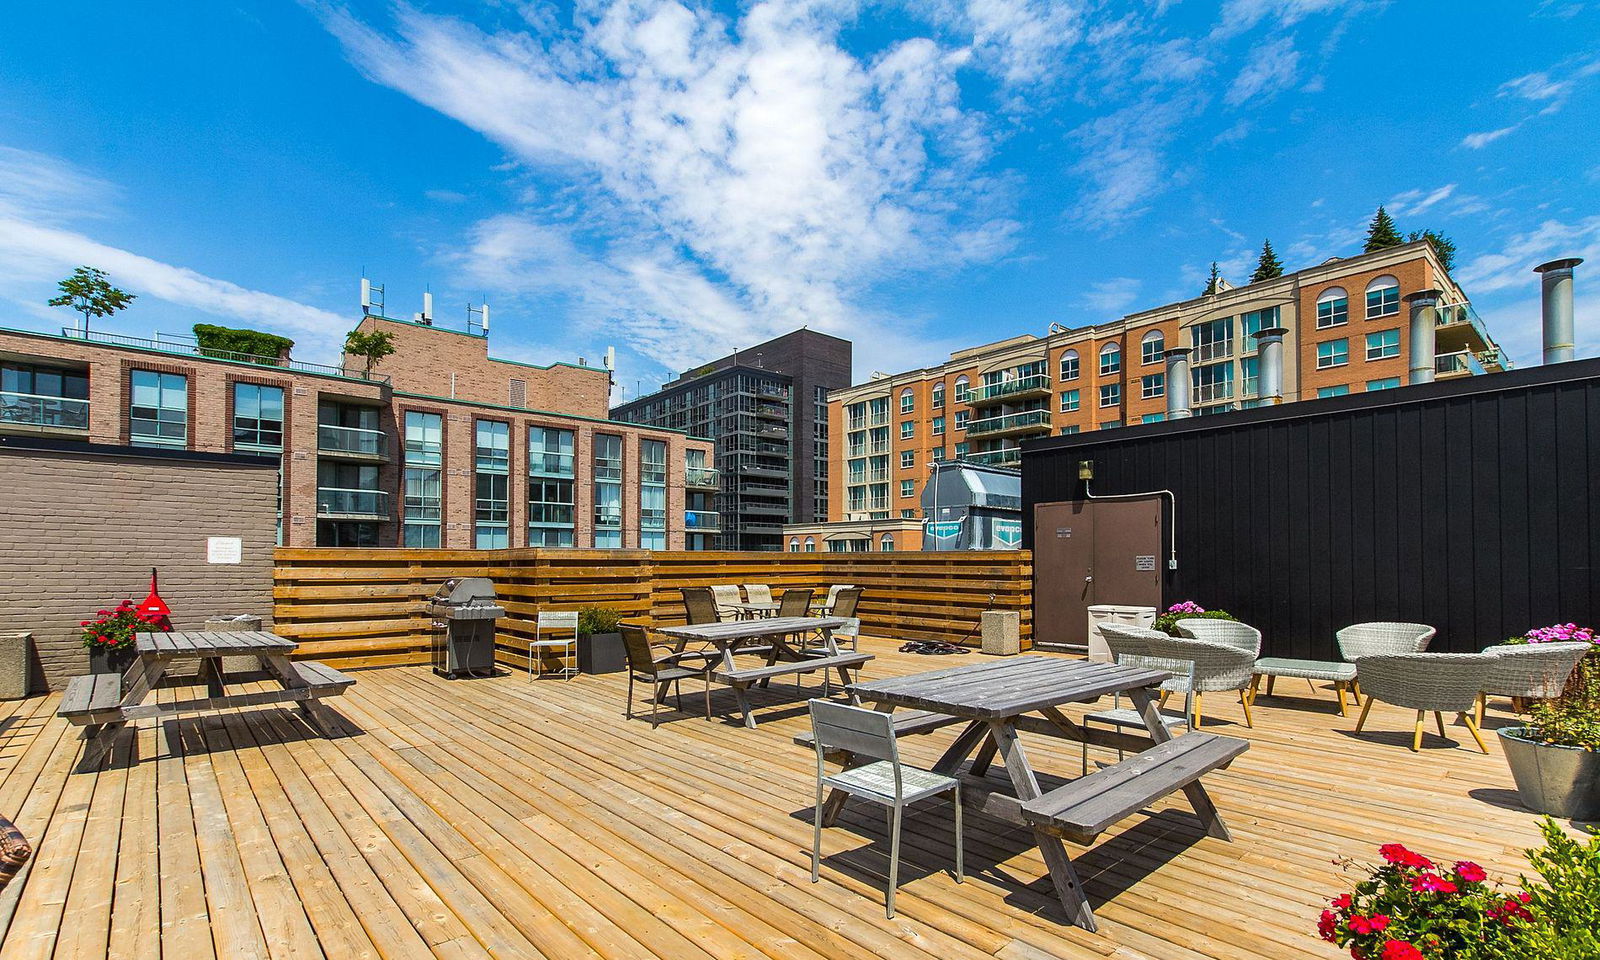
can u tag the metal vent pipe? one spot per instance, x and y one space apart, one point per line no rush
1555 287
1269 372
1424 321
1177 383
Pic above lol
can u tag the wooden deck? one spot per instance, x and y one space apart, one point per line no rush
501 818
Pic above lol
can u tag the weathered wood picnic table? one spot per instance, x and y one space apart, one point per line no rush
103 703
772 636
999 699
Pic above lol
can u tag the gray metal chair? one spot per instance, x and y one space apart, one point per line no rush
1531 671
1129 648
644 666
1231 632
870 734
1427 682
1217 667
1378 638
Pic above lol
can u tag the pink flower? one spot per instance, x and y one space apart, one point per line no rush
1378 922
1400 950
1398 855
1326 925
1342 901
1432 883
1470 872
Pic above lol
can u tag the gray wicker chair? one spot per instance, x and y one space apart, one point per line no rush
1427 683
1533 671
1231 632
1129 647
1217 667
1378 638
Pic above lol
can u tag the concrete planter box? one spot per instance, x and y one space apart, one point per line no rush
601 653
1560 781
14 649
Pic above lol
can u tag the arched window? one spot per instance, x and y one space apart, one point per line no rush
1152 346
908 400
1333 308
963 388
886 544
1069 365
811 545
1110 359
937 395
794 544
1383 297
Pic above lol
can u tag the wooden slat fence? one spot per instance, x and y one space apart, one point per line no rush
365 607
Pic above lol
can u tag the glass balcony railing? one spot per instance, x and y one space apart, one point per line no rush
358 440
1460 363
1019 386
1029 421
41 410
997 458
702 521
701 477
342 501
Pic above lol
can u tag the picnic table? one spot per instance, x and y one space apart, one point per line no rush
772 636
999 699
757 609
104 703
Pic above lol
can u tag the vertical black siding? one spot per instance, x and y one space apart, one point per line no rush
1468 505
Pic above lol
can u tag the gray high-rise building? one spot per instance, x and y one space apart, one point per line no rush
766 407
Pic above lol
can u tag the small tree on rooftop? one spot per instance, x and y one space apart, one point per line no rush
87 291
1443 246
1269 267
1214 281
1381 232
370 347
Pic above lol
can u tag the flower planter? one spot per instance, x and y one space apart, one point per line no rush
601 653
1559 781
111 659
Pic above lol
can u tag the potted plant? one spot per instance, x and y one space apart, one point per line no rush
109 637
1167 622
599 641
1555 756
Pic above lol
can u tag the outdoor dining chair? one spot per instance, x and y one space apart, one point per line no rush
554 630
1217 667
699 605
825 607
758 593
1381 637
1427 683
795 602
727 596
869 734
646 666
844 608
1530 671
1129 646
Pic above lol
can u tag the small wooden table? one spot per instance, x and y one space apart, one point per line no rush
772 635
104 703
999 698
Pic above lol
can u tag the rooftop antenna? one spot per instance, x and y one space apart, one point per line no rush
426 316
611 359
371 297
480 315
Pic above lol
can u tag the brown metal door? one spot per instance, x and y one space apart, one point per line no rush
1088 552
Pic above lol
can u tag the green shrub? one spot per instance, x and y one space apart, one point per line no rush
593 620
1167 623
214 340
1566 905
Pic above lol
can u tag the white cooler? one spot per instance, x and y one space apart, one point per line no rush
1112 613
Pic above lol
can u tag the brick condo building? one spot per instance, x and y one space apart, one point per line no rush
1349 329
440 446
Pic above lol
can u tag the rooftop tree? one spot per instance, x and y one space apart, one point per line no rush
370 347
1381 232
1269 267
87 291
1443 246
1214 281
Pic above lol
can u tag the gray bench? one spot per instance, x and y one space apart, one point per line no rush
1086 807
742 679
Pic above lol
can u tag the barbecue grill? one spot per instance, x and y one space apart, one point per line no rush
464 611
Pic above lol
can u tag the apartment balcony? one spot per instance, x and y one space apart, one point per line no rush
772 411
1212 392
1020 388
1462 363
765 489
702 478
1011 425
760 527
42 413
702 521
1460 328
763 470
352 443
1213 350
778 431
764 509
876 476
877 449
347 504
997 458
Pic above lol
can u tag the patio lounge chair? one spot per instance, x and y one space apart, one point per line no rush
1531 671
758 593
659 671
699 604
825 607
1380 637
1427 682
869 734
726 595
844 608
1217 667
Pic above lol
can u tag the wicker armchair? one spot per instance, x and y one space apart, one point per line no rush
1380 638
1427 682
1129 647
14 851
1231 632
1534 671
1217 667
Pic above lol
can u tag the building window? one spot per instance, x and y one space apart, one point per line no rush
257 417
44 396
1212 383
963 390
1254 322
811 545
1111 425
492 503
158 409
1110 394
908 459
856 414
938 395
908 401
652 495
1153 418
1333 308
1069 429
886 543
1152 386
1333 353
1250 372
908 429
1212 340
938 454
961 450
1383 298
1383 345
962 416
492 446
908 488
794 544
1069 401
1152 347
607 491
1110 359
1069 365
938 426
551 487
424 439
423 481
1335 391
1387 383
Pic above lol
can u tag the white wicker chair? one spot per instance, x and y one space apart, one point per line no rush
1217 666
1535 671
1381 637
1231 632
1426 682
726 596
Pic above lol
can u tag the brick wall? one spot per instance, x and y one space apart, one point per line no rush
82 527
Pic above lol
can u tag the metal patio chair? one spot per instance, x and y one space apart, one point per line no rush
550 622
644 666
727 596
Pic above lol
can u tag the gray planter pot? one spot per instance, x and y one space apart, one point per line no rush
1560 781
601 653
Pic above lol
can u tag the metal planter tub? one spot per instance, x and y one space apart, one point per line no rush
1560 781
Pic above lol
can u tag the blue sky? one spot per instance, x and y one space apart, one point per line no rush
677 180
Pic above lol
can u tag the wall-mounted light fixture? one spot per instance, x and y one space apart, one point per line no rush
1085 469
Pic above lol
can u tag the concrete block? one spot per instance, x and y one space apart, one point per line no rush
14 648
1002 633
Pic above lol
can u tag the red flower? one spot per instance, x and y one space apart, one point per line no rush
1401 857
1326 924
1400 950
1359 924
1378 922
1432 883
1470 872
1525 897
1342 902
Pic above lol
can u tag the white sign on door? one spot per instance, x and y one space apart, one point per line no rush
224 549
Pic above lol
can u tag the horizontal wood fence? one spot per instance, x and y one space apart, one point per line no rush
365 607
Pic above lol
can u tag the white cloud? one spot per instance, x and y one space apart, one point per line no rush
1534 86
1512 265
1241 15
47 189
1418 201
1112 296
1477 141
1271 69
1124 161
